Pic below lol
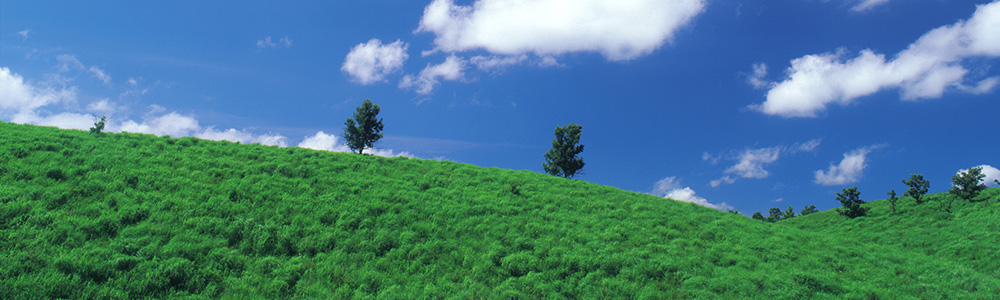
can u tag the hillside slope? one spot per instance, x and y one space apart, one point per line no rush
968 235
134 216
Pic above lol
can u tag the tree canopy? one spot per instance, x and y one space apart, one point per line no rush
968 184
564 157
365 128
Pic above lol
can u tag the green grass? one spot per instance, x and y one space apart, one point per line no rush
137 216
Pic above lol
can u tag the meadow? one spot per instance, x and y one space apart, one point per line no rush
127 216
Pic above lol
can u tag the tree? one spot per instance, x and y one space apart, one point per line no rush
808 210
968 184
364 129
892 199
758 216
775 215
918 187
735 212
98 126
851 201
563 159
997 181
789 213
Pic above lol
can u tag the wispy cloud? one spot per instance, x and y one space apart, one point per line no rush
452 69
849 169
24 33
926 69
865 5
751 163
267 43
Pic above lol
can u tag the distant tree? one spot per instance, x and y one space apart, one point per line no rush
967 185
851 201
365 128
789 213
98 126
775 214
997 181
758 216
808 210
563 159
892 199
918 187
733 211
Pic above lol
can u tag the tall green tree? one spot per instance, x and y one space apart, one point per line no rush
758 216
808 210
851 201
789 213
365 128
968 184
918 187
775 214
564 157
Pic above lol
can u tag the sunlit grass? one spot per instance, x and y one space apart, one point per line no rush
133 216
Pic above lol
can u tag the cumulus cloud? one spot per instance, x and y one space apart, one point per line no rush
925 69
370 62
453 68
865 5
268 43
847 171
619 30
329 142
670 187
750 163
991 172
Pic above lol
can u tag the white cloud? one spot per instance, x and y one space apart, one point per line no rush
847 171
23 102
100 74
329 142
670 187
992 173
18 96
269 43
323 141
926 69
451 69
370 62
757 78
865 5
619 30
24 33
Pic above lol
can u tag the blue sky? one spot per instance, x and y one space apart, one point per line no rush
731 104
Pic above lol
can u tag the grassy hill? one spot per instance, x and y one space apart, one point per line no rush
133 216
